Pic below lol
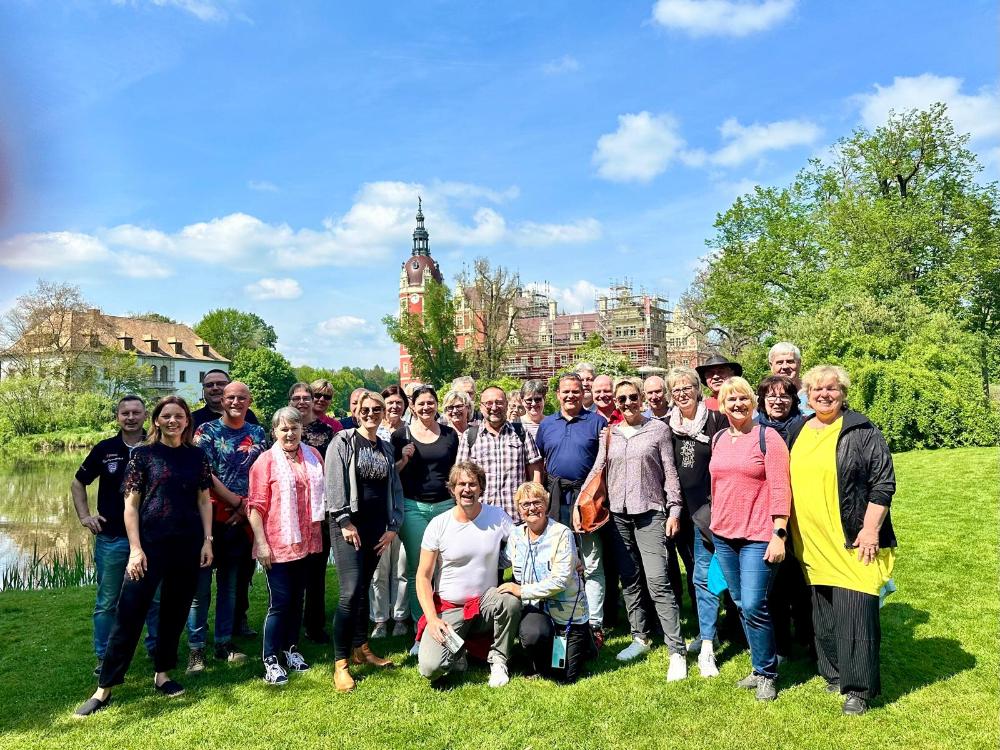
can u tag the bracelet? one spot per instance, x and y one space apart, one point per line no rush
209 538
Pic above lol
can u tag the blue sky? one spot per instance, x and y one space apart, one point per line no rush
181 155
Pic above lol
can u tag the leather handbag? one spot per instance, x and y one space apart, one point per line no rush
591 509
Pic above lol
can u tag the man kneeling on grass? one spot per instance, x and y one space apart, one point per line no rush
467 612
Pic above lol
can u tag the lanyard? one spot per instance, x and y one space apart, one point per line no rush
531 567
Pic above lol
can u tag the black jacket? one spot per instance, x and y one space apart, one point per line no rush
864 475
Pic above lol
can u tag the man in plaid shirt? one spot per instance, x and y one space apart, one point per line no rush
505 450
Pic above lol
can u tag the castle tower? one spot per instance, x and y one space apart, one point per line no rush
413 278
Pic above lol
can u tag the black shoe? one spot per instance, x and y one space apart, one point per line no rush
855 706
170 689
320 636
244 630
97 669
91 706
833 686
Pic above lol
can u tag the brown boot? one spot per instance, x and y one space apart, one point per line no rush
342 680
364 655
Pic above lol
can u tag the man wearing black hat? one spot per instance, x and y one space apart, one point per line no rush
714 373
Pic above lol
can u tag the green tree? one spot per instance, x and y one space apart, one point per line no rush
231 331
268 375
430 337
492 295
153 317
121 374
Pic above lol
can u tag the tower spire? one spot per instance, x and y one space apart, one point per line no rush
420 235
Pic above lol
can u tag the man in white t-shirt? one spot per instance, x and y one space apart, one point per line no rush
466 542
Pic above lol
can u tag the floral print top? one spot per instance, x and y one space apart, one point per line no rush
168 480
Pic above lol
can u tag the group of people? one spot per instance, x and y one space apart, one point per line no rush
775 499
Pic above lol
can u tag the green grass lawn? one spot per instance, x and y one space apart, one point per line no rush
939 670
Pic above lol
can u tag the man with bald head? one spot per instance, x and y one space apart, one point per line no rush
231 444
654 388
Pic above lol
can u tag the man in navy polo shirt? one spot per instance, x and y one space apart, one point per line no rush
106 462
569 441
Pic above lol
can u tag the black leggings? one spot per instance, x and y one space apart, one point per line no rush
355 570
537 631
173 566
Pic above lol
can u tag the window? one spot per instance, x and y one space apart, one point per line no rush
537 361
201 377
163 373
182 376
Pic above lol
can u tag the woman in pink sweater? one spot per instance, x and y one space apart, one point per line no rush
751 500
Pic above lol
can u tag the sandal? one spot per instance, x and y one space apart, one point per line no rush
170 689
91 706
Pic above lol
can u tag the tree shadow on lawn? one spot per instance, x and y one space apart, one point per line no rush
910 663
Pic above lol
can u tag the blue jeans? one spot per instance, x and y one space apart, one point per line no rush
749 579
110 558
286 587
225 604
708 603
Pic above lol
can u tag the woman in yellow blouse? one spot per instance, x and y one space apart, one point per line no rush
843 482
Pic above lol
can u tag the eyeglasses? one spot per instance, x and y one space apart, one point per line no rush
685 391
493 404
455 407
364 411
773 397
239 399
301 399
629 398
533 400
527 504
318 396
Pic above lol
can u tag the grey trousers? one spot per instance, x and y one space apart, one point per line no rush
641 548
499 614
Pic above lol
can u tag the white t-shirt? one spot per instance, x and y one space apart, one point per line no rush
468 552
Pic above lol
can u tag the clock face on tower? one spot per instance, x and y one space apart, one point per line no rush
414 298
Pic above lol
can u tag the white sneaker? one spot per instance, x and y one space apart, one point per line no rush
706 661
634 650
380 630
678 668
415 650
498 674
295 661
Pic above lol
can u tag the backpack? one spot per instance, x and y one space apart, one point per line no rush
763 441
473 432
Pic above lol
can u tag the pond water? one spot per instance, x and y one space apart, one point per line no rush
37 520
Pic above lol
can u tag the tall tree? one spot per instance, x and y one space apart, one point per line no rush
268 375
230 331
492 295
430 337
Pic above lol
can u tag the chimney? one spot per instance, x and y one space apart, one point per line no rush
126 341
175 344
152 343
202 347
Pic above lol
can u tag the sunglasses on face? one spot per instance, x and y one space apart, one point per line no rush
364 411
628 398
533 400
327 396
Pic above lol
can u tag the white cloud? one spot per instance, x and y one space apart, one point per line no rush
262 186
341 326
265 289
745 142
375 228
532 234
564 64
641 148
721 17
975 113
203 10
580 296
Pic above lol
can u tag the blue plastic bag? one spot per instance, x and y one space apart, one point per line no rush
716 581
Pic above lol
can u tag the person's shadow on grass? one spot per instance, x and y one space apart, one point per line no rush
910 663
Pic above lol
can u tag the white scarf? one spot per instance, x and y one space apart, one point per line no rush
690 427
289 501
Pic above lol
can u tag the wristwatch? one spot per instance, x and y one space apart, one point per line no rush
780 533
209 538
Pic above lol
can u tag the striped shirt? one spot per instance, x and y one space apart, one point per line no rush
504 457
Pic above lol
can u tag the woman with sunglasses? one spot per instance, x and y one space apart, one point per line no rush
322 398
317 433
645 502
533 397
389 604
425 451
365 499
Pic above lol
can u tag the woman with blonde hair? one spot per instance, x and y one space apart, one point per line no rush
457 407
365 500
843 480
751 500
